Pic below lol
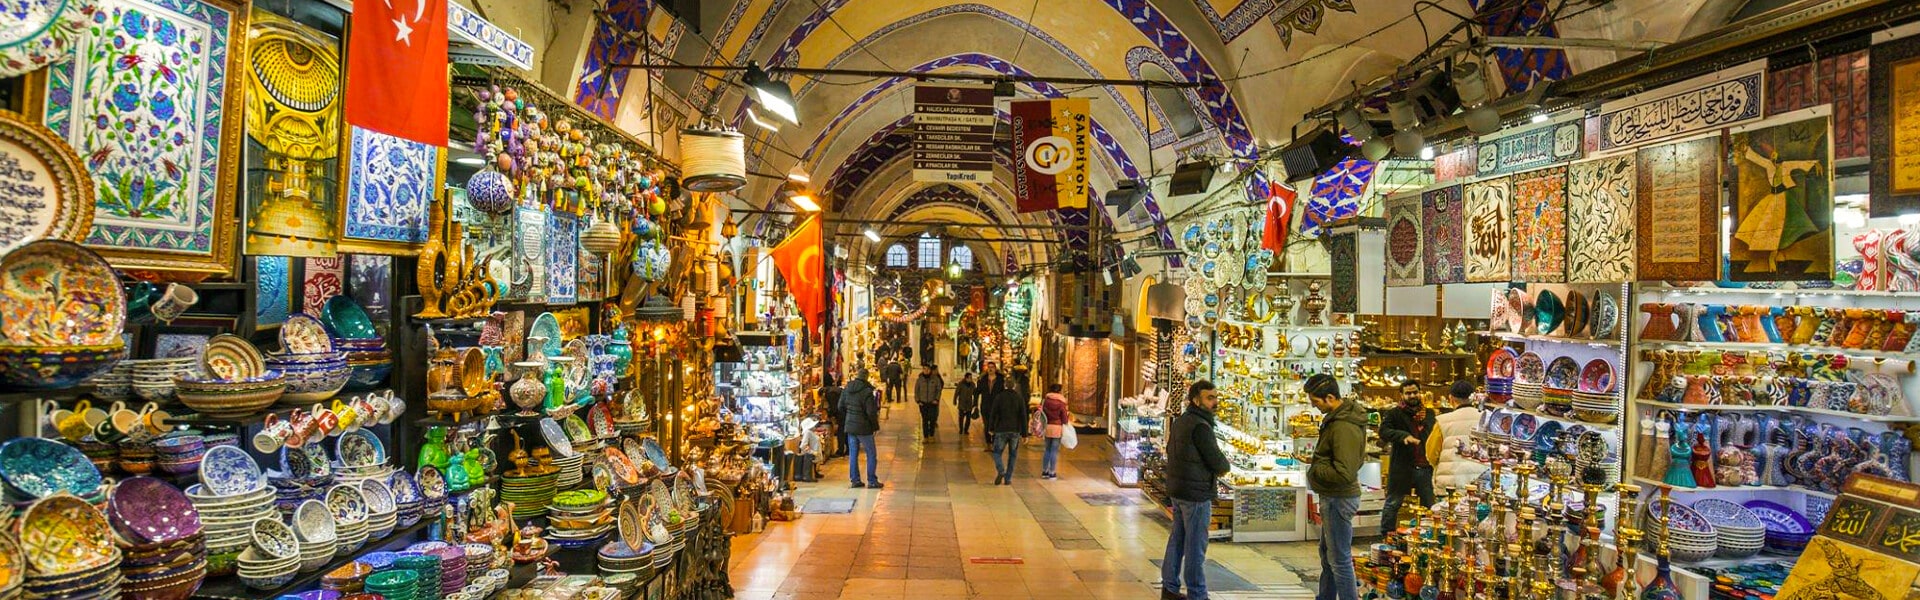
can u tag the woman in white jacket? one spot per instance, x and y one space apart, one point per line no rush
1450 430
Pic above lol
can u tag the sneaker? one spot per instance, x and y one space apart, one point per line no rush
875 485
858 484
1166 594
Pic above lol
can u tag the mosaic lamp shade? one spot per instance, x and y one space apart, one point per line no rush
489 191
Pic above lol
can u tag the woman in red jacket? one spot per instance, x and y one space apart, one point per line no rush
1055 407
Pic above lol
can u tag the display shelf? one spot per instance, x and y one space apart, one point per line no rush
1776 408
1771 347
259 417
1269 356
59 395
1537 414
1432 355
1655 484
1289 327
230 588
1806 292
1517 337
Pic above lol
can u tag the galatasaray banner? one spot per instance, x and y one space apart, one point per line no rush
1052 141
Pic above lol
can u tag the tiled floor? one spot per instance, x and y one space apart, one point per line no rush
939 530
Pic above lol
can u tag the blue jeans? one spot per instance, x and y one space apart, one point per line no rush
1336 549
859 443
1187 549
1008 444
1050 462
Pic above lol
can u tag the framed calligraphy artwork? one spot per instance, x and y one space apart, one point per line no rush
390 183
324 277
1406 265
1343 255
1540 225
1456 165
1782 201
1894 128
1443 225
1600 219
1488 220
530 258
294 83
44 193
1677 211
563 258
149 102
1702 104
1529 147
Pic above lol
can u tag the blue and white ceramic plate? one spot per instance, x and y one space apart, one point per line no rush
229 471
548 327
1779 518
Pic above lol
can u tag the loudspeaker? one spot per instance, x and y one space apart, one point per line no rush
1191 178
1125 195
1314 153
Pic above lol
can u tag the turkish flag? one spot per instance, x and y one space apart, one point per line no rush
397 69
799 261
1279 217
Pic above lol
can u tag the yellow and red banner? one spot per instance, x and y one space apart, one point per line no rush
1052 144
800 262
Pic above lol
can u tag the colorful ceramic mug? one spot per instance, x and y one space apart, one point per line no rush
51 415
348 416
304 427
74 425
273 435
325 422
154 419
173 302
368 415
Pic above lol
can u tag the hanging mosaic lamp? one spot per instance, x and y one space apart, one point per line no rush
713 160
489 191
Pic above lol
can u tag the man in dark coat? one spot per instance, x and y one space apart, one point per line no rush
1404 429
1194 465
927 389
893 374
862 407
1005 415
965 403
830 395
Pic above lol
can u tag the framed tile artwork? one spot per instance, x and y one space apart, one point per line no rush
390 183
274 290
1540 225
1489 228
1405 264
1600 219
150 101
563 258
1679 191
1444 248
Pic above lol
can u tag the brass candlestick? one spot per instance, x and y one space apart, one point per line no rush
1628 536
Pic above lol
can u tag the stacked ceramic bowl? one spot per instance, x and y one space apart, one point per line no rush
382 513
165 551
480 558
1739 532
426 568
115 384
66 309
153 377
180 453
272 558
349 508
530 490
617 557
36 468
1528 395
396 584
1692 538
453 568
579 518
350 578
1787 531
231 495
353 332
311 377
1602 408
314 525
68 549
572 470
409 505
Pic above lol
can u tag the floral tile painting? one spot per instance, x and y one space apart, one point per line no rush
1600 220
390 182
1540 225
530 274
146 103
563 258
1488 223
1442 220
1405 264
275 289
325 278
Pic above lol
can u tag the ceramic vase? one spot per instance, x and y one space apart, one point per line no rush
432 263
529 391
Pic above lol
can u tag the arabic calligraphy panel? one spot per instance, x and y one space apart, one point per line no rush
1894 126
1442 220
1677 207
1489 239
1405 263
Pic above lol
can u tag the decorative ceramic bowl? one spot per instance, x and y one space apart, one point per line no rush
229 471
368 375
150 511
347 320
63 534
57 293
39 467
47 367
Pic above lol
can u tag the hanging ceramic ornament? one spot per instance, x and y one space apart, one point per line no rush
489 191
603 237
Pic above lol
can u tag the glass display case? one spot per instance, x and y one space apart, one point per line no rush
762 391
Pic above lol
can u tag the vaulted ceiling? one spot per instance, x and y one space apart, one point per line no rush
1279 59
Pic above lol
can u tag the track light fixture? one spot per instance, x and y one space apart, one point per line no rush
775 96
1470 82
1406 140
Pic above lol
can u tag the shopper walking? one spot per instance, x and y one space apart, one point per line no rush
893 375
1335 478
1194 466
1058 420
1404 429
863 419
965 403
836 414
988 389
1449 430
1005 416
926 392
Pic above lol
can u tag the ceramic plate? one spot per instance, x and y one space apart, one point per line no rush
1524 426
41 467
433 485
1517 307
58 293
275 539
303 334
1548 312
1563 373
1779 518
1530 369
1502 313
63 534
295 463
651 448
1194 239
1502 363
548 327
577 430
313 522
1546 435
232 358
229 471
13 567
621 466
150 511
556 437
1606 316
360 448
60 205
1597 377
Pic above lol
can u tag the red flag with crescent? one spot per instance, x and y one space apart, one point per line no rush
397 69
1280 199
799 261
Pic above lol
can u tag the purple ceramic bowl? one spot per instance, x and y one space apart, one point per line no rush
150 511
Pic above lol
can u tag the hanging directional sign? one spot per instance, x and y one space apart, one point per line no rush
953 133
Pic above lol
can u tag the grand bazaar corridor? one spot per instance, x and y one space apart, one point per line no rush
939 531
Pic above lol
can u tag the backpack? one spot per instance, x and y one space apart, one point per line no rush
1037 423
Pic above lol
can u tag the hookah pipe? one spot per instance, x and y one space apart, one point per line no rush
1629 537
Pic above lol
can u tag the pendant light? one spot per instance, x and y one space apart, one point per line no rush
713 159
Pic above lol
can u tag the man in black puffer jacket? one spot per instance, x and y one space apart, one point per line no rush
1194 464
862 409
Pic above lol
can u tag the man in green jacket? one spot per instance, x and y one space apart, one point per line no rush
1335 478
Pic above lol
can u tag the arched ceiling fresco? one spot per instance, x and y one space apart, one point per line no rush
1271 61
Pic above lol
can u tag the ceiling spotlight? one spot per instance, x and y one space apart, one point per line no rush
1356 124
470 160
1426 153
754 116
798 175
775 96
873 236
1400 109
1376 149
805 202
1470 83
1408 142
1540 118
